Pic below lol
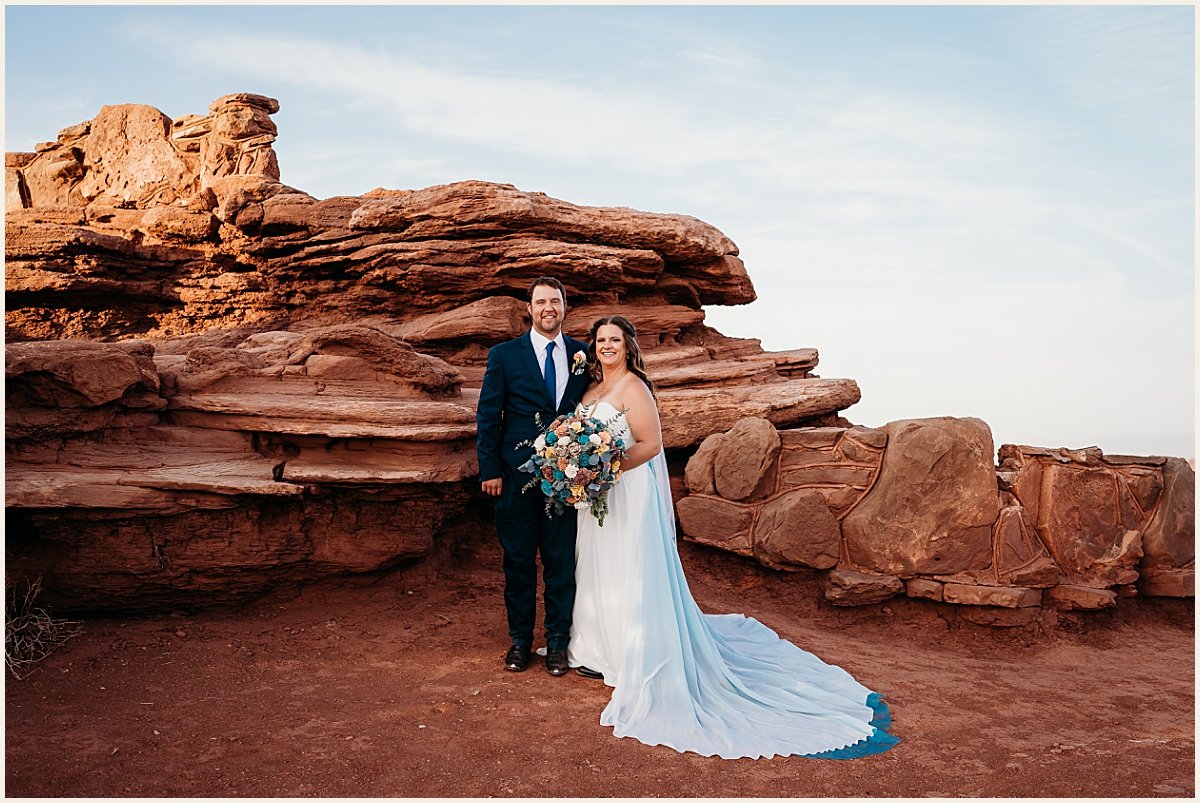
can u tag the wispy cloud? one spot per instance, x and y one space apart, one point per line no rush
720 54
933 182
973 212
821 140
532 115
1132 65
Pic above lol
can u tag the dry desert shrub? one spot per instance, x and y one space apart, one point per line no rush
30 633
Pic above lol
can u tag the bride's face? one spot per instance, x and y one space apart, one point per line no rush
610 346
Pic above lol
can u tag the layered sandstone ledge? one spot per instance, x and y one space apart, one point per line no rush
216 383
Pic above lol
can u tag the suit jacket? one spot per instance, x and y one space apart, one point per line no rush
513 395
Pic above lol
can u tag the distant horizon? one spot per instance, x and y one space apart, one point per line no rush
971 211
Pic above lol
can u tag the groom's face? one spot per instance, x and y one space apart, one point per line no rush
547 309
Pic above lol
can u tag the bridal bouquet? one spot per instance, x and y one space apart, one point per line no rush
575 461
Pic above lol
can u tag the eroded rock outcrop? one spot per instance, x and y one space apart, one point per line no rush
932 509
132 156
216 384
1109 520
289 457
917 507
1168 566
779 496
217 381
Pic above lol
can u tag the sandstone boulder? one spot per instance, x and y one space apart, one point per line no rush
66 387
385 354
207 365
795 362
1168 582
922 588
240 133
1099 513
1169 539
932 509
130 160
1019 558
848 587
1087 511
239 198
1072 597
797 529
69 373
16 190
51 179
994 596
744 466
1081 523
716 522
699 471
273 348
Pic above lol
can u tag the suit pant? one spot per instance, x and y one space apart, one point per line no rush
525 530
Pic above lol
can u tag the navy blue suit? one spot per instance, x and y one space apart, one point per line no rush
513 395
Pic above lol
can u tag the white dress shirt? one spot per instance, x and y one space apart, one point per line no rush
561 367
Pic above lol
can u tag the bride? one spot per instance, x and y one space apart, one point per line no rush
723 685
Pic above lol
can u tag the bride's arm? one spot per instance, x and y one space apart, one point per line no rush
642 415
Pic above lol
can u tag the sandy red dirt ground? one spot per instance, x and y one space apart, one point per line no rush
396 689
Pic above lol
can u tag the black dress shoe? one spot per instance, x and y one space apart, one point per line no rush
556 662
517 658
590 673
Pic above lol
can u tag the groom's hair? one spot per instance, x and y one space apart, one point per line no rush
548 281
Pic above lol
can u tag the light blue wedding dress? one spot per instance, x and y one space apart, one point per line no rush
723 685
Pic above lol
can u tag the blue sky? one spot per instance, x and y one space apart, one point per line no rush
971 210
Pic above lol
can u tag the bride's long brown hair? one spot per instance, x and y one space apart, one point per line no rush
633 351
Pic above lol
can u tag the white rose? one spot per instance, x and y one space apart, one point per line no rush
571 471
594 438
540 442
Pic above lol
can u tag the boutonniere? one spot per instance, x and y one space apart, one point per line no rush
579 363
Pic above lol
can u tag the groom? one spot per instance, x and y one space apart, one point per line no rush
537 375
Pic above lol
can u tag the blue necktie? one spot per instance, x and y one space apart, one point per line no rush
551 374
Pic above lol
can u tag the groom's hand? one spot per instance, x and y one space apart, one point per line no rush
493 487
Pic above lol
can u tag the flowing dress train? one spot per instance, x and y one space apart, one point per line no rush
723 685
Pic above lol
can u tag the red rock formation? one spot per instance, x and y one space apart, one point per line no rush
1168 566
917 507
1109 520
218 382
779 496
933 507
282 461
